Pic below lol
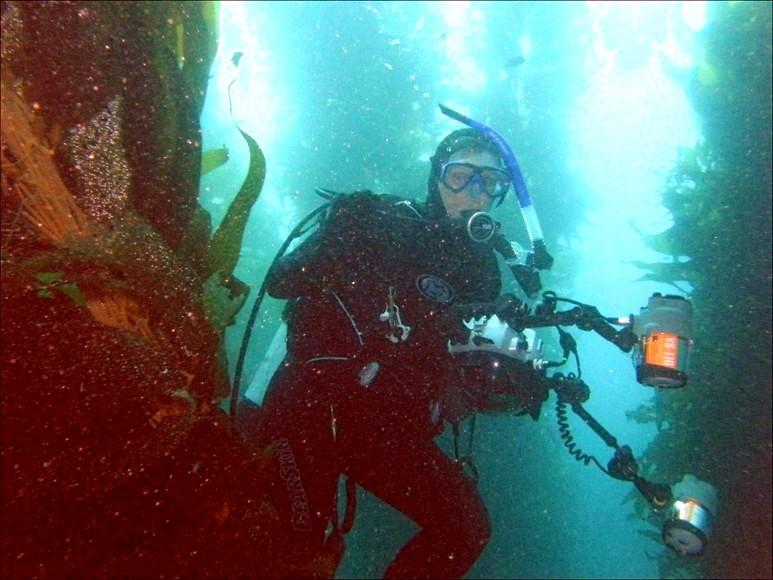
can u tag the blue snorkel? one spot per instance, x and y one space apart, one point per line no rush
542 260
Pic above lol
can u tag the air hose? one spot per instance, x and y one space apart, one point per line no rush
297 232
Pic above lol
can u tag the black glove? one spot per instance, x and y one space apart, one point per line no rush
528 279
533 388
542 259
509 307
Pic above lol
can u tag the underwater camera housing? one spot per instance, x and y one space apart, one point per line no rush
664 328
493 335
495 366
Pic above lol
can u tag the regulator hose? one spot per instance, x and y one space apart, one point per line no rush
297 232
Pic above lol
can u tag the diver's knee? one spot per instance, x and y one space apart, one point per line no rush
479 533
477 526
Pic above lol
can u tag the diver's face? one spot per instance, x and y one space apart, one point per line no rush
473 197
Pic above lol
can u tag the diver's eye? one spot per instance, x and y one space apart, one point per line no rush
496 182
457 177
490 180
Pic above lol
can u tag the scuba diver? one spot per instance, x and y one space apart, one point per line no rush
361 391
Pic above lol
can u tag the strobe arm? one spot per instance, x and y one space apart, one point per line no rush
573 391
515 313
623 466
585 317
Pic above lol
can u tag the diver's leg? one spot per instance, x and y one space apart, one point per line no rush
295 430
410 473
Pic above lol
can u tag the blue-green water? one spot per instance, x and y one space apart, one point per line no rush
595 99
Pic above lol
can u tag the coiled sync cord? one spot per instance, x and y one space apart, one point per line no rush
569 442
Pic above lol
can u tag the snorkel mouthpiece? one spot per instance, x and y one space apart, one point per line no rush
542 259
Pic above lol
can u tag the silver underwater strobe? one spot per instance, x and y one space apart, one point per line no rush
689 519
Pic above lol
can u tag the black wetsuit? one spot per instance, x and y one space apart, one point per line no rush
360 396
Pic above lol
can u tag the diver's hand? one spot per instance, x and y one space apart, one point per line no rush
528 278
509 307
542 259
533 388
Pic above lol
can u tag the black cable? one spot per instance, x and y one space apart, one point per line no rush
351 507
566 436
455 429
297 231
569 346
579 367
468 458
552 295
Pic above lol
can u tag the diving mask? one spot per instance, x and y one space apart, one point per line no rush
457 176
